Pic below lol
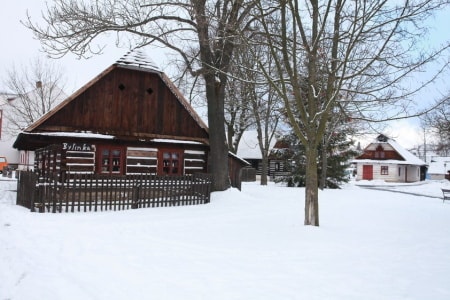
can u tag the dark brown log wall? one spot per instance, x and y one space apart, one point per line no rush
142 160
127 102
387 155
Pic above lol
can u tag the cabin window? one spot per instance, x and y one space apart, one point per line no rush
110 160
384 170
399 171
170 162
277 166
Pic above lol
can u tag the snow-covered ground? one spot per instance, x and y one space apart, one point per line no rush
252 244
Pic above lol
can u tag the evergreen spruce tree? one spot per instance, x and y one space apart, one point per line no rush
340 150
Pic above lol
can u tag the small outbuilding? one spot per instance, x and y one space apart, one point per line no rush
384 159
439 168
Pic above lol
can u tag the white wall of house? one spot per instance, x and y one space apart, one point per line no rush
26 160
7 140
401 171
432 176
7 150
391 172
413 173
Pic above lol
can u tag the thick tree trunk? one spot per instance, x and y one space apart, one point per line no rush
311 189
323 174
264 167
230 136
215 65
218 159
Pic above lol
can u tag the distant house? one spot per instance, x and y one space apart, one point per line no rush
130 119
249 150
279 159
12 117
6 138
384 159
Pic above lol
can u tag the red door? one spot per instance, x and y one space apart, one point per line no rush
367 172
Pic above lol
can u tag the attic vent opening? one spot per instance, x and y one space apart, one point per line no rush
149 91
121 87
382 138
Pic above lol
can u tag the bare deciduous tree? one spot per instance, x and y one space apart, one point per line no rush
322 49
438 122
37 88
202 32
255 103
238 116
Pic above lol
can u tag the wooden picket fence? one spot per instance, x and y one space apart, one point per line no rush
92 192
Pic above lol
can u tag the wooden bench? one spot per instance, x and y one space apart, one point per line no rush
446 194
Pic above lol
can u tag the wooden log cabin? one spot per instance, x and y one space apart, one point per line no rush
130 119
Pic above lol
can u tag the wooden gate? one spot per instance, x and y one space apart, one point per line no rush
367 172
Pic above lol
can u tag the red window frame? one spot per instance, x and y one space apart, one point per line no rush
170 162
110 160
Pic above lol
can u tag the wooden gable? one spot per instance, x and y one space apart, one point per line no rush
128 103
380 152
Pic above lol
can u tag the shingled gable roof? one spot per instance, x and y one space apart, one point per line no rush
136 60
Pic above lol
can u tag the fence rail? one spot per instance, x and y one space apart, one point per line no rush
91 192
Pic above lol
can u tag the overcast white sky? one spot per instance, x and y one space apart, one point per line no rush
18 46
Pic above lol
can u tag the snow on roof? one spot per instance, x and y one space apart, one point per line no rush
438 168
138 58
445 159
172 141
249 146
56 93
73 134
238 158
439 165
6 97
408 157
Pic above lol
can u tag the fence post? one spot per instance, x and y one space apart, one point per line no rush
53 187
208 178
40 195
136 191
